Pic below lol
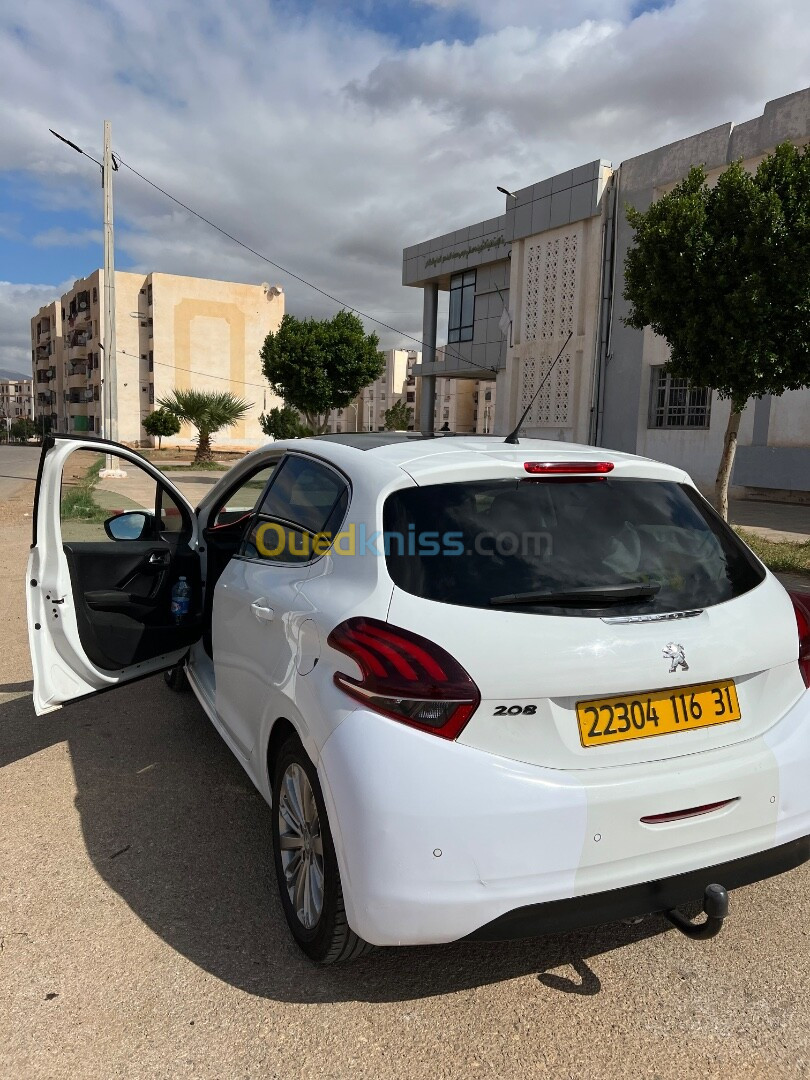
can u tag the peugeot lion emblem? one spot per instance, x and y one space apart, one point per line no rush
676 654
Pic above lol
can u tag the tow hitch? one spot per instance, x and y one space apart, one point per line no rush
715 906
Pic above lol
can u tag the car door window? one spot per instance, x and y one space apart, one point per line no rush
96 509
242 500
126 541
304 506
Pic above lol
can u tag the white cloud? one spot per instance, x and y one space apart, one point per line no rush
59 237
327 147
18 304
547 14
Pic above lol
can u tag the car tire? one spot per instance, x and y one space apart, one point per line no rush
306 866
176 679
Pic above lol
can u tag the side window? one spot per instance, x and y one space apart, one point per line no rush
305 505
96 509
243 499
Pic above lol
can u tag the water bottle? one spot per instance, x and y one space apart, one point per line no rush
181 600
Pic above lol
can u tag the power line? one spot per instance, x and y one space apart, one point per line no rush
193 371
284 270
118 160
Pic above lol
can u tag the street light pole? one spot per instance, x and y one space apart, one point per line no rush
109 395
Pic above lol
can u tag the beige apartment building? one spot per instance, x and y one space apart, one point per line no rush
15 400
464 406
172 332
367 411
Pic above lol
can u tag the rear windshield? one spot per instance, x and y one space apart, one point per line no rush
601 548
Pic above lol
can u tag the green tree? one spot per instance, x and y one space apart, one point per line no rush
23 429
723 275
283 423
398 417
320 365
161 423
208 411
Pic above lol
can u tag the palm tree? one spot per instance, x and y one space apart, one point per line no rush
206 410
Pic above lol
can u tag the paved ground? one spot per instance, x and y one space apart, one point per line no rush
774 521
141 935
18 468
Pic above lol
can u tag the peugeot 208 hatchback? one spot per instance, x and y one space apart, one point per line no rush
488 690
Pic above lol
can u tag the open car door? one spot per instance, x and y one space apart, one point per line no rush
106 554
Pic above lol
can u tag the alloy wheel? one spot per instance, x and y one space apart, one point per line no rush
301 845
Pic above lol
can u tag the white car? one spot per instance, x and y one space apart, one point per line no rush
488 690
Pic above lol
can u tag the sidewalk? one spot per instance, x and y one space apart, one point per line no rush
771 520
138 486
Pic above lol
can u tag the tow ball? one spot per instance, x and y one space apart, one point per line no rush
715 907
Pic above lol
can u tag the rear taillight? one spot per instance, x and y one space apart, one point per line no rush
405 676
801 605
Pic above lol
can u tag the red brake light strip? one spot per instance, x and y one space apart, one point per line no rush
548 468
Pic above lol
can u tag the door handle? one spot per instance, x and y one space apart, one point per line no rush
261 609
158 559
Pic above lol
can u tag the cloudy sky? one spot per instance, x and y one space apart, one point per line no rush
330 134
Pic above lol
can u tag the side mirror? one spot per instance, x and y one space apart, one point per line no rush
133 525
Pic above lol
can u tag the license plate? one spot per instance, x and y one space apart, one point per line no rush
660 712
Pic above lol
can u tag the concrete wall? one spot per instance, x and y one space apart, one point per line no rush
489 248
208 335
555 283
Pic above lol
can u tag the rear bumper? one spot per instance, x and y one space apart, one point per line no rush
560 916
438 841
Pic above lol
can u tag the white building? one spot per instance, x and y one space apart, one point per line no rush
545 278
16 400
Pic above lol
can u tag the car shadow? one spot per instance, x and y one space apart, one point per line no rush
174 826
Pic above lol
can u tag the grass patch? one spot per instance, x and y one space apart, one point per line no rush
78 504
204 466
78 500
784 556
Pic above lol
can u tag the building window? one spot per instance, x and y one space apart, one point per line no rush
674 403
151 360
462 307
151 393
149 294
95 295
410 396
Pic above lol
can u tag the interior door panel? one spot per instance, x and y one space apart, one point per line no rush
122 593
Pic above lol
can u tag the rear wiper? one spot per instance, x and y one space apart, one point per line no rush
595 595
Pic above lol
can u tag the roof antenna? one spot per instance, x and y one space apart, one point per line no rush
512 438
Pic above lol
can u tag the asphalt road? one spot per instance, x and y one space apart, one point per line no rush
18 468
141 935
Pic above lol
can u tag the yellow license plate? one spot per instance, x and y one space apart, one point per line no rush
659 712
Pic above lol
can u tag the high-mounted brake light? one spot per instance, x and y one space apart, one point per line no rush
801 606
548 468
405 676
